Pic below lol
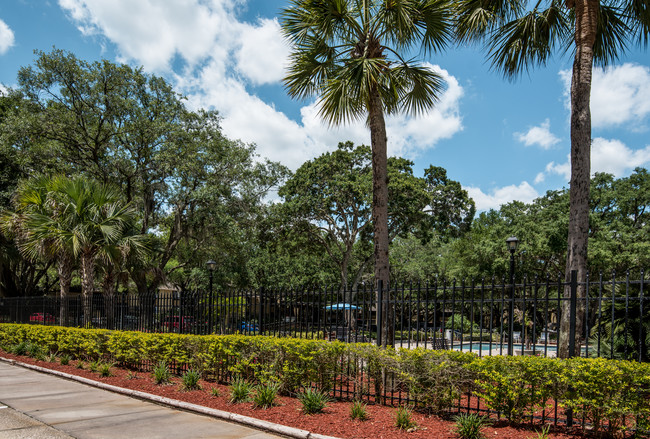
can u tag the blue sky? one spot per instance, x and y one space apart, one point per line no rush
502 140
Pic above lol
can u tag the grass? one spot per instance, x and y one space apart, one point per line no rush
359 411
470 426
404 419
265 395
190 380
240 391
105 369
215 391
64 359
313 401
161 373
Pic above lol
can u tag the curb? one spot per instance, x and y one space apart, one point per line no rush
174 403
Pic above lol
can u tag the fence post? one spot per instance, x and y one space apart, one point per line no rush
573 312
261 313
380 305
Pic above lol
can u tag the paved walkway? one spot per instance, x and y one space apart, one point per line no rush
37 405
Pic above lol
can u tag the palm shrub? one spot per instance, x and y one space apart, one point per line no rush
313 401
161 373
470 426
240 391
265 395
404 419
190 380
358 411
64 359
105 369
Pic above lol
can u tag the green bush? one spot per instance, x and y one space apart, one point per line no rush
161 373
190 380
265 395
359 411
313 401
404 419
240 391
470 426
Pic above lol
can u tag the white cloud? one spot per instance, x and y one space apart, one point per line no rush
540 135
261 47
224 55
6 37
496 197
620 95
611 156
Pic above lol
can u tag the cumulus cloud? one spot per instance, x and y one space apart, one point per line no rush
620 95
496 197
539 135
224 57
6 37
611 156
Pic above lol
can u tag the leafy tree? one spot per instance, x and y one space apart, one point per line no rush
519 37
351 54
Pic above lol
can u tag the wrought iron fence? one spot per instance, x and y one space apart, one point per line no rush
486 317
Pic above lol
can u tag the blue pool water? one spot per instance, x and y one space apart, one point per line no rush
485 347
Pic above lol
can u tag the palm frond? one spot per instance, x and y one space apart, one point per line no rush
419 88
478 19
637 16
528 41
611 36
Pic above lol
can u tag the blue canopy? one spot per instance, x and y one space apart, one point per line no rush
341 306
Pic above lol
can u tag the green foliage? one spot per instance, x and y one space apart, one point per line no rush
359 411
519 386
313 400
94 366
64 359
605 392
265 395
161 373
470 425
215 391
240 391
190 380
404 419
105 369
543 433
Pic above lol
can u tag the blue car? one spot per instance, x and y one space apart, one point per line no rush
249 327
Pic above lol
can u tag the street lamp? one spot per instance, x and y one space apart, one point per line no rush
212 265
512 244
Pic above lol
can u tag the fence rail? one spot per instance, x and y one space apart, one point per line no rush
484 317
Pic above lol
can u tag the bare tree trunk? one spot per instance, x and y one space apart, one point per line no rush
65 278
380 209
87 285
586 12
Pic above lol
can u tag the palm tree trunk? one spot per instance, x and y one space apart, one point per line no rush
65 277
108 293
87 285
378 139
586 12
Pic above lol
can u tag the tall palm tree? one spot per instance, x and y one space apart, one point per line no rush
520 35
352 54
34 205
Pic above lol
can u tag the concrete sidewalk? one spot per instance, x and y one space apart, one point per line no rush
39 405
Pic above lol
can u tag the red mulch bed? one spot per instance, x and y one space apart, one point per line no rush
335 421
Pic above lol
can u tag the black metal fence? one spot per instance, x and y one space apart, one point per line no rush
485 317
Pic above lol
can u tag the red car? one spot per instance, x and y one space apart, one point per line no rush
174 323
39 317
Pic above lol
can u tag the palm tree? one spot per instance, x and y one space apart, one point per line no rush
350 53
34 206
520 35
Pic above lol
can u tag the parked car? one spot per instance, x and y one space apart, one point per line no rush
175 323
39 317
249 327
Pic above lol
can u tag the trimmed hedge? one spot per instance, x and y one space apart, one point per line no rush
607 393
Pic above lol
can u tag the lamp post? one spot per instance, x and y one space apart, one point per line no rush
212 265
512 244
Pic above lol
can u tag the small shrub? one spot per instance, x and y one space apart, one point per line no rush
265 395
215 391
404 419
64 359
543 434
161 373
358 411
93 366
51 357
131 375
105 370
190 380
20 348
80 364
470 426
313 401
240 391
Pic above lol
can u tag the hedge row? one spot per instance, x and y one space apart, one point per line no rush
608 394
